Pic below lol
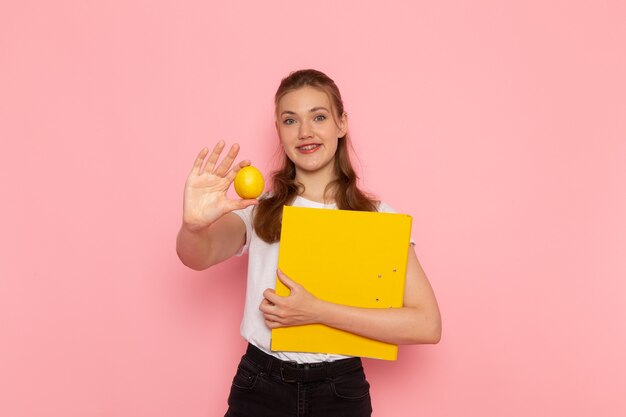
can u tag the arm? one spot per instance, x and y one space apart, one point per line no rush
418 321
210 233
200 249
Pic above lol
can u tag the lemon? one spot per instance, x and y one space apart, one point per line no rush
249 182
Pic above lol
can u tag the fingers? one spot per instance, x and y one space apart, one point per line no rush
197 164
267 307
272 324
272 319
241 204
223 168
271 297
233 172
217 150
286 280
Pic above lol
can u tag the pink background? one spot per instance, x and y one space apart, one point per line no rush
500 127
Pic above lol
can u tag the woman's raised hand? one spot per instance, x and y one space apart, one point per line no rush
205 198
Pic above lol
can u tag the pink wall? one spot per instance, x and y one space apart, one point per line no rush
499 127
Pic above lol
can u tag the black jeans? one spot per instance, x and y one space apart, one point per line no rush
268 387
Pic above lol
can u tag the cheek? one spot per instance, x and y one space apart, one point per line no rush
285 134
335 144
286 147
282 137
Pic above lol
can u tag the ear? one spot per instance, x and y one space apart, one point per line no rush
343 125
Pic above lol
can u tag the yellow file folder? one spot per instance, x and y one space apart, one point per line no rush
346 257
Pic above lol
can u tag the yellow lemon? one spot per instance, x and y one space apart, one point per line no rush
249 182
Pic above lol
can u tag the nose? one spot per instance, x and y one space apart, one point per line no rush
305 131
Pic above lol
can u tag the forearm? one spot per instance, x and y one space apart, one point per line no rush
419 321
406 325
201 248
194 247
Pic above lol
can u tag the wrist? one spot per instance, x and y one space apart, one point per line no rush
321 309
194 228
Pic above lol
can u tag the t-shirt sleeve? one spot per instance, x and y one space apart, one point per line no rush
386 208
246 216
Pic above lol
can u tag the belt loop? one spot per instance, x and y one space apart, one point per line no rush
268 365
282 373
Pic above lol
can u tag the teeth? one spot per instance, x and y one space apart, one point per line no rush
308 147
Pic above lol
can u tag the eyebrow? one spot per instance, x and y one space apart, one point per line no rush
314 109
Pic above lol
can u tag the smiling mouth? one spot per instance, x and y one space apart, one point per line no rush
308 148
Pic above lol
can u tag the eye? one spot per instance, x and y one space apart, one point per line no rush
320 118
288 122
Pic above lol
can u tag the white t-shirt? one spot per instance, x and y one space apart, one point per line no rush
262 265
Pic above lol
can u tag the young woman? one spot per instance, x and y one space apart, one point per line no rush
313 130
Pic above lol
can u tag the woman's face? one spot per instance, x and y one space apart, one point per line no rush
307 129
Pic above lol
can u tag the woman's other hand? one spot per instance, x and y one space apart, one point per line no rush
298 308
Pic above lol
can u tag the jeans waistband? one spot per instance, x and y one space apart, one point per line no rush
300 372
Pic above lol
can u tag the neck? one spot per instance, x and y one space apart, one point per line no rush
315 183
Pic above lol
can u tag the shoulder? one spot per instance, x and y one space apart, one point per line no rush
385 208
